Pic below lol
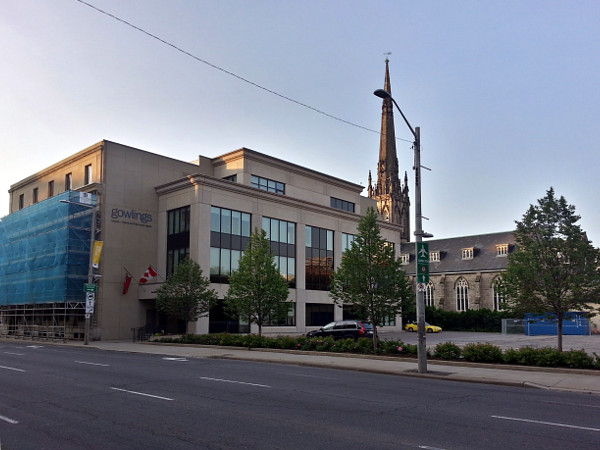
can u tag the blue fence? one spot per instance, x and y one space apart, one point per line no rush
574 323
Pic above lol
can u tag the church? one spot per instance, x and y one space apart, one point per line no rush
89 239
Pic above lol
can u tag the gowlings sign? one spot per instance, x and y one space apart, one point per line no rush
131 217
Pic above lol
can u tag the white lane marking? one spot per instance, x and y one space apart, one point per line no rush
141 393
12 353
12 368
430 448
93 364
167 358
9 420
235 382
554 424
34 346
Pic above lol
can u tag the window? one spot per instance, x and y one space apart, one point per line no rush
35 195
229 236
462 295
178 237
68 182
232 178
502 250
87 176
467 253
429 291
21 201
288 319
267 185
282 235
342 204
434 256
404 258
347 240
319 258
50 188
498 299
318 314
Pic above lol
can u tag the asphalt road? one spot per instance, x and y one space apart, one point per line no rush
83 398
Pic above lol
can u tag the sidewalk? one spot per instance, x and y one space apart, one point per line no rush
585 381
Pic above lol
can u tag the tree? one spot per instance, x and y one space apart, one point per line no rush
370 277
555 266
257 290
186 295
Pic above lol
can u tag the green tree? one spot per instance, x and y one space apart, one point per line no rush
257 290
370 277
555 266
186 295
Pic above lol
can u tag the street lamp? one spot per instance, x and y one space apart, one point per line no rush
419 233
90 277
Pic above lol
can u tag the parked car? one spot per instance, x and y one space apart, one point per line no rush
428 328
345 329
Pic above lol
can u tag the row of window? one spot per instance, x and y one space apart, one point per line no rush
466 253
87 177
462 295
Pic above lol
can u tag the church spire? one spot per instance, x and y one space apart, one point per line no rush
392 197
387 170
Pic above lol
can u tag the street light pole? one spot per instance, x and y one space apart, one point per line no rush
419 234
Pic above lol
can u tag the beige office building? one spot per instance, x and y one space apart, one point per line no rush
155 211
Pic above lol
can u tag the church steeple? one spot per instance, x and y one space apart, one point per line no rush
392 197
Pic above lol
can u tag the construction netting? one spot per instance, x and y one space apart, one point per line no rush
44 250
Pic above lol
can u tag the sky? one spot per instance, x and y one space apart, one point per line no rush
506 93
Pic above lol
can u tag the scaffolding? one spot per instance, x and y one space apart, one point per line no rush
44 263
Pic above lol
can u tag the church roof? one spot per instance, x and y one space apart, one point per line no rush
486 254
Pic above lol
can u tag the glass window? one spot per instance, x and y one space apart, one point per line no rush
498 299
347 240
502 250
281 236
467 253
230 234
178 237
462 295
405 258
87 176
429 291
266 184
35 195
68 182
50 188
319 258
434 256
342 204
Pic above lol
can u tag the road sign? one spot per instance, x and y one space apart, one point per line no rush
421 287
90 298
90 287
422 262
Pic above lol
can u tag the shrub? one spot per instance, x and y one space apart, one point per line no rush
578 359
482 353
447 350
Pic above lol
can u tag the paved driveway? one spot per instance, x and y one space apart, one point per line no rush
590 344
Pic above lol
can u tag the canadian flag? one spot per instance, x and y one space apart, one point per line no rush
148 275
126 283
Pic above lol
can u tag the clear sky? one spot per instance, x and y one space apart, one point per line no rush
506 93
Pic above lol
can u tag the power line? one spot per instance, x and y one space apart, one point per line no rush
214 66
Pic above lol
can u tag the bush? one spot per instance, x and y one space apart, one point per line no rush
482 353
447 350
484 320
578 359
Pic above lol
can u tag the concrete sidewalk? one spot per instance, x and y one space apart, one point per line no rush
586 381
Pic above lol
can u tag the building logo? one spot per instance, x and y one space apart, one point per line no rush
131 217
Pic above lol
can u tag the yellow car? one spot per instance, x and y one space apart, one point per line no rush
428 328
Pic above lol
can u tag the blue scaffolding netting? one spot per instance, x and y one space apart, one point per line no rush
44 250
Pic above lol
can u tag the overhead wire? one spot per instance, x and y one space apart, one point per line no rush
228 72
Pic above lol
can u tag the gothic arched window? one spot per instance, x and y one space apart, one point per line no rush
498 299
429 291
462 295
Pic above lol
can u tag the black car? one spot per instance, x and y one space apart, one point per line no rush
345 329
